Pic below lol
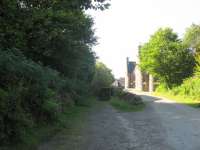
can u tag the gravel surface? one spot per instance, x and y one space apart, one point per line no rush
162 125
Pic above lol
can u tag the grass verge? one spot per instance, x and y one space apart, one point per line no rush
70 122
124 106
179 99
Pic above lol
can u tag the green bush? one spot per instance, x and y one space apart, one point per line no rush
103 78
162 88
189 88
14 118
116 91
125 106
31 94
131 98
25 95
46 61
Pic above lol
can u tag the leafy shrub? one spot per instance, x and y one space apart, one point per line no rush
122 105
189 88
14 118
105 94
53 64
31 94
131 98
25 95
116 91
103 78
162 88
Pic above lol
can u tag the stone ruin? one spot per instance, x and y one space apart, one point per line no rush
137 79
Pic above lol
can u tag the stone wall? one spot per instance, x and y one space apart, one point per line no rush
138 77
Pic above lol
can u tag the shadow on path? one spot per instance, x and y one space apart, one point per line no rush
162 125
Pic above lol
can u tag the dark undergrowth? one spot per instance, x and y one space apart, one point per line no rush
71 121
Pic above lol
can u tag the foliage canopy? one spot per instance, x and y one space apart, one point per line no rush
192 37
192 40
103 78
46 61
165 57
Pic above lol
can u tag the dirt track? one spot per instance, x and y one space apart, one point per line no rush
163 125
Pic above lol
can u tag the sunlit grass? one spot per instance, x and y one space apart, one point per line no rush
179 99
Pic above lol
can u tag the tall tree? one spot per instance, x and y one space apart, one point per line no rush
55 33
46 59
166 58
192 40
192 37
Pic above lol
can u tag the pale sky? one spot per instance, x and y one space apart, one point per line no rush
129 23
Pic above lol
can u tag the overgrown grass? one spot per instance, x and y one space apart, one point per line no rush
124 106
71 122
179 99
187 93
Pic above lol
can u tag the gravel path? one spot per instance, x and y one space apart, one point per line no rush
163 125
181 123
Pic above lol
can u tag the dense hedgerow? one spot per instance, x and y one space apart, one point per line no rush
189 88
29 94
46 61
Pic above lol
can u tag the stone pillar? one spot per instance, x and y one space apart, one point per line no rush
127 74
138 78
151 83
126 81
